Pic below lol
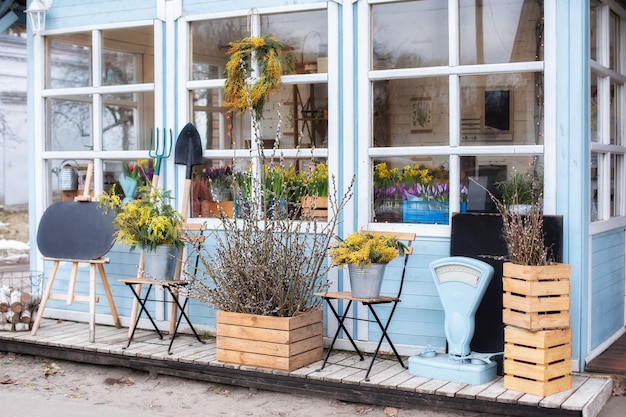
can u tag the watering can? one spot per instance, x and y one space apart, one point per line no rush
67 175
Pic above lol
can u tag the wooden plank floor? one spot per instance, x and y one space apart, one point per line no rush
612 360
343 380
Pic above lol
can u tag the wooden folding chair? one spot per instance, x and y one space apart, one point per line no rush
342 314
192 234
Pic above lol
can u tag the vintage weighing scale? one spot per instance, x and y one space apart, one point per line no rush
461 283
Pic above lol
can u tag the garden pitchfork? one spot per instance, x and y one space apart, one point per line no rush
159 149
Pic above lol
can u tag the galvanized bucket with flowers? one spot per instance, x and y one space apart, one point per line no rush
148 222
366 254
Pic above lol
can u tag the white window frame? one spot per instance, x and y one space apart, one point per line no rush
453 150
331 79
600 69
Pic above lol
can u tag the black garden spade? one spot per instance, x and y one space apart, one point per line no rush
188 152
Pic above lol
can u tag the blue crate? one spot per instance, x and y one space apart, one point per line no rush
428 212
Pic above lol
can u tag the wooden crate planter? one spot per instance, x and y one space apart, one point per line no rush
536 297
282 343
315 207
537 363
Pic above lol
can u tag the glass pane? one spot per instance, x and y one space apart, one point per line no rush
127 120
615 115
302 115
304 36
411 190
209 40
593 24
489 171
505 108
593 109
616 170
615 49
409 34
595 176
128 56
67 178
411 112
70 124
69 59
499 31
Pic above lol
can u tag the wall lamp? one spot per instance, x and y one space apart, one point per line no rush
37 14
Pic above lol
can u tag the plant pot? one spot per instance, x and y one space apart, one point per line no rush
281 343
160 264
365 282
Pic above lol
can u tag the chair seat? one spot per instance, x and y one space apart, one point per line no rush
347 295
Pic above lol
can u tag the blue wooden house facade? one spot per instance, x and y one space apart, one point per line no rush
466 88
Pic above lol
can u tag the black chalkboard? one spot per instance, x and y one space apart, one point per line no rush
479 235
75 230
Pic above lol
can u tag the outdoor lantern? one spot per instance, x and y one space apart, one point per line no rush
37 14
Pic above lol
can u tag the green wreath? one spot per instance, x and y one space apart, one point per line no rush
239 95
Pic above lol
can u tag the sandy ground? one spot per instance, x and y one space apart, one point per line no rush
42 387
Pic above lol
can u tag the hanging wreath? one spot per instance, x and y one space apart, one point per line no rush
239 94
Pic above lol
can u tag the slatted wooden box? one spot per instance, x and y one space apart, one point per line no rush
536 297
537 363
282 343
315 207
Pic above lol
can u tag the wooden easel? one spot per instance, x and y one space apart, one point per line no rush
70 296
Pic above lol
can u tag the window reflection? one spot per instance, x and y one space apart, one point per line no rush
409 34
500 31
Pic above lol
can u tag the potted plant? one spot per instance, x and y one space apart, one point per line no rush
388 193
366 255
150 223
520 191
133 176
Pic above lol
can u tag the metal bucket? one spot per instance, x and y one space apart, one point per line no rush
366 281
67 176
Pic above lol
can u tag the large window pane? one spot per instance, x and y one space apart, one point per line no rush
123 128
410 34
304 36
69 61
128 56
500 31
70 124
504 108
209 44
411 112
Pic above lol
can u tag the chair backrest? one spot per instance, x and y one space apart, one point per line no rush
192 234
406 237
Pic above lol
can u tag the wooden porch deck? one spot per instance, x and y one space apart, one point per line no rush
389 382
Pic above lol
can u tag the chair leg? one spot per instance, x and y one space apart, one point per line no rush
340 320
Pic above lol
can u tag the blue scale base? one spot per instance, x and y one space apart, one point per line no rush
441 367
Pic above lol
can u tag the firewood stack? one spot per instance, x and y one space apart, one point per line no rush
17 308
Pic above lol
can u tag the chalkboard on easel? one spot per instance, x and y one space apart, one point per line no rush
75 230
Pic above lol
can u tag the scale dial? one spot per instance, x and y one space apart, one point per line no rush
458 273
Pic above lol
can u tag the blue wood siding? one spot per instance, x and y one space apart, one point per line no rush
607 286
80 13
418 319
191 7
